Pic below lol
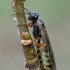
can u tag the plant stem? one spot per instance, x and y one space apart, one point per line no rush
18 6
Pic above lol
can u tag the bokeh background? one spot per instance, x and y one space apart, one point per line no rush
56 16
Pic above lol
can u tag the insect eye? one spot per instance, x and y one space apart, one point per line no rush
35 16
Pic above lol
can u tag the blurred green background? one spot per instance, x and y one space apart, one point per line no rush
56 15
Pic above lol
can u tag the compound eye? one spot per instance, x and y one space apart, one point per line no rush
35 16
30 18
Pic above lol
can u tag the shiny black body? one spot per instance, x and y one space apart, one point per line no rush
36 32
34 18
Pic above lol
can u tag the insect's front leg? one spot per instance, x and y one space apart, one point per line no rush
29 24
35 41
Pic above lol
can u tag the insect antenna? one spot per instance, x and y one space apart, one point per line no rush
27 10
23 12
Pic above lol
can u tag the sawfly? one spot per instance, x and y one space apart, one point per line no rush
41 41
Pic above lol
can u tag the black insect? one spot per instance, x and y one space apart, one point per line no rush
34 17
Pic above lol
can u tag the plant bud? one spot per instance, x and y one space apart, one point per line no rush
26 42
26 36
